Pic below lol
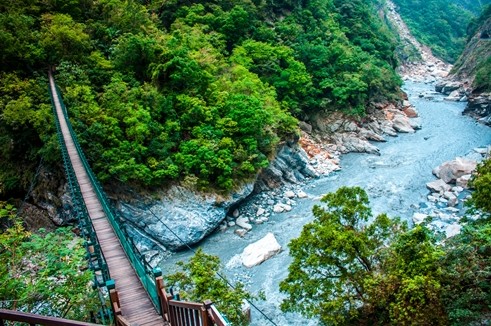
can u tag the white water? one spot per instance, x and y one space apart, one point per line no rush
395 182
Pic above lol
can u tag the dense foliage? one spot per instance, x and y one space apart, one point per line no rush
350 268
198 281
43 273
481 182
162 91
441 24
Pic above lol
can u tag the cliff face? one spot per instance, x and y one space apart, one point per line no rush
476 53
472 72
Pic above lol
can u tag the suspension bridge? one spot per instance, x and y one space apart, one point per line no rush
136 291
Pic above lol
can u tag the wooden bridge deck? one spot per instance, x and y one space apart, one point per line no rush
136 305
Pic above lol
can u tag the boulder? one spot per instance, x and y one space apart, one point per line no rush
243 222
305 126
289 194
401 123
452 230
452 170
260 211
415 123
352 143
301 194
463 181
410 112
438 186
418 218
259 251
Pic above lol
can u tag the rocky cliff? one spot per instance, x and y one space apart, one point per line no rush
470 79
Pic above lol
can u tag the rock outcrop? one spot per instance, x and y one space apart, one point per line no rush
460 85
180 217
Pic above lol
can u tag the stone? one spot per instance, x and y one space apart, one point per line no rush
260 211
452 199
190 214
301 194
260 251
452 170
235 213
240 232
231 223
401 123
438 186
289 194
305 126
419 218
463 181
410 112
278 208
243 222
452 230
457 189
415 123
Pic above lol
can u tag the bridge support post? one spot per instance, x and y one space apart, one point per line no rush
163 296
114 298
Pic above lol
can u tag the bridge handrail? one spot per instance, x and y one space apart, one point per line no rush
34 319
141 268
81 210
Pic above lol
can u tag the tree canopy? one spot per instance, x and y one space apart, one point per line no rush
350 268
164 91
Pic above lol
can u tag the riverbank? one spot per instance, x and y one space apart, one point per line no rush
395 181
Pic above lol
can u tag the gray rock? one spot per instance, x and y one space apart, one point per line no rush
291 165
463 181
419 218
289 194
401 123
189 214
438 186
260 211
301 194
240 232
452 170
305 126
243 223
452 230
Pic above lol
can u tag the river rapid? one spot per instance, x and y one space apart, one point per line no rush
395 182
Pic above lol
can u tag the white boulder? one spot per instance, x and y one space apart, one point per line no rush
243 222
259 251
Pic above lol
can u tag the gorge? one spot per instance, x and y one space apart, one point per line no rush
395 181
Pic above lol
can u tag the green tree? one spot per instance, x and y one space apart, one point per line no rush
334 256
44 273
467 282
198 281
481 182
350 268
63 38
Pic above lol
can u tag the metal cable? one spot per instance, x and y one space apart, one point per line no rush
217 273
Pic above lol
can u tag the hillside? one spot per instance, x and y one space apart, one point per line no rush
441 24
182 91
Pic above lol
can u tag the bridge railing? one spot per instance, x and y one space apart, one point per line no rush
142 269
182 313
34 319
96 257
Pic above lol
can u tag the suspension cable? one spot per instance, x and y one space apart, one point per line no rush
216 272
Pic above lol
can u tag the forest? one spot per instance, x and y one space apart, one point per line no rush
171 91
203 93
441 24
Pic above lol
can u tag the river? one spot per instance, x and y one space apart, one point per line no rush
395 182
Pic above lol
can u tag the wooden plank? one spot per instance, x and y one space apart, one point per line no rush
137 304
